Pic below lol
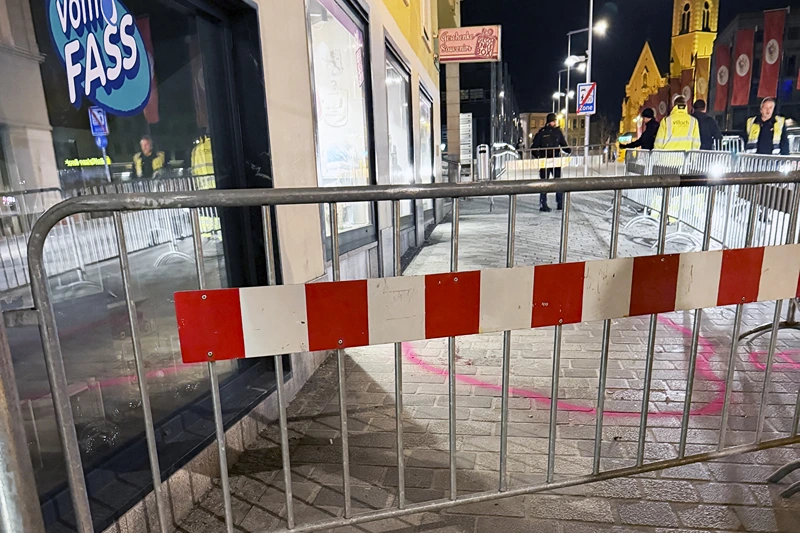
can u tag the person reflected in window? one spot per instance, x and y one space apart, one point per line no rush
148 162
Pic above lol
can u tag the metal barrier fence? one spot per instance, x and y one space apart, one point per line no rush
687 206
753 186
88 240
537 162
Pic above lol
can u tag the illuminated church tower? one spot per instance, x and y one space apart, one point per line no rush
694 28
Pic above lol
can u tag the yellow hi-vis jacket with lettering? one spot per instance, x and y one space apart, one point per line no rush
203 174
679 132
754 131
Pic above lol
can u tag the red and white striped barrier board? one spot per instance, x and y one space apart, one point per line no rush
224 324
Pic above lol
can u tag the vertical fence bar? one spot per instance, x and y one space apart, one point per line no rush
398 371
141 374
512 217
19 500
266 218
737 324
606 344
790 239
562 257
651 337
451 361
336 272
216 401
698 317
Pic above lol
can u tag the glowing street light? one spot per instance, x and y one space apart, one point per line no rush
601 27
571 95
581 68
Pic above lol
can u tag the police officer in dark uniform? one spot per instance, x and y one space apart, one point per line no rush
548 144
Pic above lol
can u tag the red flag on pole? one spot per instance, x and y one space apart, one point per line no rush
663 103
702 70
722 54
674 88
742 66
687 80
774 23
151 109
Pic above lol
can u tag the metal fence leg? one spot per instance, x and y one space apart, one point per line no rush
19 500
398 373
512 214
216 400
451 362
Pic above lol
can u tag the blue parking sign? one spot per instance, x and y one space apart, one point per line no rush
98 121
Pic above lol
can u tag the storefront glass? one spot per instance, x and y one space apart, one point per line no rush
426 144
398 93
161 129
340 86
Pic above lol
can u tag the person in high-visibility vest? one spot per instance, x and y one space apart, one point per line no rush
148 162
680 131
203 174
766 133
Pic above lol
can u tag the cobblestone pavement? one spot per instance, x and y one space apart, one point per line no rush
729 495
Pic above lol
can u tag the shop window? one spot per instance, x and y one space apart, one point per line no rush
426 143
342 117
401 162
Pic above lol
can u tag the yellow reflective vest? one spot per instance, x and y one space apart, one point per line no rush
680 132
754 131
158 163
202 159
203 174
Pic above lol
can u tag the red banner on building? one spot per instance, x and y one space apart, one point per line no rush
701 73
722 56
774 23
663 103
151 109
674 88
687 83
742 66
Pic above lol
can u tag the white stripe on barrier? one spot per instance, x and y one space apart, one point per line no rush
396 309
506 298
607 288
698 280
779 271
266 310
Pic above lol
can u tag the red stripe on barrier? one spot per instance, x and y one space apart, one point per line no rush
209 325
452 304
557 294
655 284
740 276
338 316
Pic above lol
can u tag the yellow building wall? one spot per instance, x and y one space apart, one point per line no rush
699 40
408 17
639 89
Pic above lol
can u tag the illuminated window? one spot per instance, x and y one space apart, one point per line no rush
706 17
686 18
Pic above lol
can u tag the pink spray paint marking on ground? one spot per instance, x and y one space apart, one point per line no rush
788 362
704 353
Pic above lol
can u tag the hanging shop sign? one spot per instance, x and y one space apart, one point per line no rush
474 44
103 54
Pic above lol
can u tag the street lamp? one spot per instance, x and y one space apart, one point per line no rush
601 27
571 95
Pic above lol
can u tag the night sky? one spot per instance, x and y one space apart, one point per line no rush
535 41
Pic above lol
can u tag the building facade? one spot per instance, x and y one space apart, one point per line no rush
280 94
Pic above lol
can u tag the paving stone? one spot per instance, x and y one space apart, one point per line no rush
514 525
668 490
709 516
725 493
563 508
513 507
647 514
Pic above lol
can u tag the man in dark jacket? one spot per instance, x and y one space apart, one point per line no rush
548 145
710 135
647 140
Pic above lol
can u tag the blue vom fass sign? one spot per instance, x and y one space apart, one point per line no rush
102 52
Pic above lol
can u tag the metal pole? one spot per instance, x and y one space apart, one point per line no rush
451 360
512 215
562 258
105 164
216 401
588 80
340 363
493 108
606 344
19 500
266 217
737 324
141 374
651 338
569 70
398 373
698 317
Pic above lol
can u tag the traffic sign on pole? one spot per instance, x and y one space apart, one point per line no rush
587 98
98 121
